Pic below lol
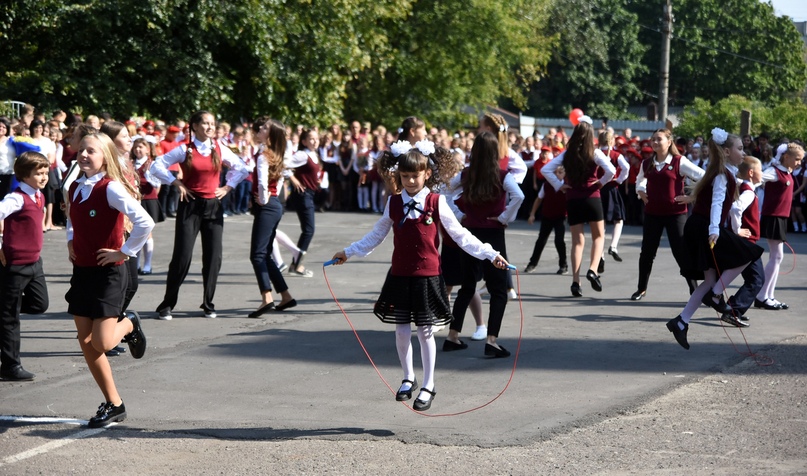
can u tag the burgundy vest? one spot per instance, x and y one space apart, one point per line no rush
703 205
476 216
201 177
778 195
308 173
147 190
663 186
272 186
553 206
417 242
23 237
614 156
589 188
96 225
750 216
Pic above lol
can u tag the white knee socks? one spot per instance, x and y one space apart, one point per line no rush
148 252
710 276
777 253
617 234
428 353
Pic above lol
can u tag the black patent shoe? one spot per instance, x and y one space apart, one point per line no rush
423 405
107 413
720 305
679 334
449 346
594 280
136 339
736 321
576 291
615 255
601 266
637 296
402 395
496 352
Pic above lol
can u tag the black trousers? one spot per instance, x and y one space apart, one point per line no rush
654 226
22 290
495 280
304 206
264 229
203 216
548 225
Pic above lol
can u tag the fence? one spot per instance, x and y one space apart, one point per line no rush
12 108
527 125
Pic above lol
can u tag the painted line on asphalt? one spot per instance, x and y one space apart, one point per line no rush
53 444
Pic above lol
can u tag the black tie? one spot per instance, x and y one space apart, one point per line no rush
410 205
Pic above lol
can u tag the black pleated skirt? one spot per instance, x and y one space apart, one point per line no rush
414 299
730 251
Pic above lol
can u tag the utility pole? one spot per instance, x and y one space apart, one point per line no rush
664 72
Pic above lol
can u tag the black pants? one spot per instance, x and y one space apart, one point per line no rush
304 206
22 290
495 280
654 226
264 229
198 215
168 198
548 225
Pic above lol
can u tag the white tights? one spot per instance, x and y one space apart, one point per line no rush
777 253
710 282
284 240
428 352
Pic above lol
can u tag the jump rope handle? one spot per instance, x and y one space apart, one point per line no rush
511 267
330 262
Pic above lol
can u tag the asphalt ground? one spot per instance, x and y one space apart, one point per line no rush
294 392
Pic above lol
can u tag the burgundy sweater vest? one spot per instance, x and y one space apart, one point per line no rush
703 205
417 242
308 173
201 177
778 195
23 236
147 190
750 216
663 186
96 225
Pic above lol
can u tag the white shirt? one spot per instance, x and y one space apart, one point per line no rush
516 166
263 174
150 178
464 239
719 188
7 155
238 170
770 175
514 198
13 202
624 167
119 199
738 207
548 170
685 168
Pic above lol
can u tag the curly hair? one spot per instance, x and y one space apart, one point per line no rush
443 167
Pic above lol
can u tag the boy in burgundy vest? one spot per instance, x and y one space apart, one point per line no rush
22 280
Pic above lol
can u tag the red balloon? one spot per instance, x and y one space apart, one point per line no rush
575 116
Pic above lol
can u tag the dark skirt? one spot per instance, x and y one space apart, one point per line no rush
584 210
97 291
613 207
154 210
773 228
730 251
406 299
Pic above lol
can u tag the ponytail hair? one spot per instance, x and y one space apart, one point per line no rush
605 139
717 164
409 124
497 125
196 119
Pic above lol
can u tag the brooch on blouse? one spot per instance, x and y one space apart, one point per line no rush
670 167
429 219
92 213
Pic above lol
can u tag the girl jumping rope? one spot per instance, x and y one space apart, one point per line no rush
414 291
99 200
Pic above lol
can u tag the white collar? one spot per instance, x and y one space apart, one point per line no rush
419 197
85 181
27 189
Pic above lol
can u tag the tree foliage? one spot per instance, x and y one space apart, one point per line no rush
596 62
308 61
784 119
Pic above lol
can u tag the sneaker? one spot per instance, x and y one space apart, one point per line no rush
210 314
307 273
480 334
562 270
165 314
512 294
283 267
107 413
529 268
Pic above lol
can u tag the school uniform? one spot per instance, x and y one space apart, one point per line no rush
553 218
779 186
149 189
514 164
475 217
305 164
662 181
97 208
709 216
613 206
22 280
203 214
583 202
414 290
744 213
268 211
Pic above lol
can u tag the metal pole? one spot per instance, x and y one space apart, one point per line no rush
664 73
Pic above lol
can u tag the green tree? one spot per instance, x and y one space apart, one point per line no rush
595 63
724 47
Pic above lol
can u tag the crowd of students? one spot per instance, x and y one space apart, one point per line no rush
466 187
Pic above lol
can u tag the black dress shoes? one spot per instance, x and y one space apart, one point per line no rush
530 267
594 280
288 305
680 334
576 291
423 405
496 352
262 310
736 321
637 296
562 270
601 266
718 305
405 394
17 374
448 346
615 255
107 413
136 339
767 304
